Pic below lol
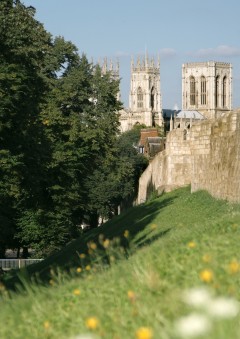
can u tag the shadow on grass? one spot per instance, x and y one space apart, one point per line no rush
135 220
147 240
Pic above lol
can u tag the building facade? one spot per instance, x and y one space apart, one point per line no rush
145 102
207 88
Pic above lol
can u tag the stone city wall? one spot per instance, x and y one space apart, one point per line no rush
215 149
207 156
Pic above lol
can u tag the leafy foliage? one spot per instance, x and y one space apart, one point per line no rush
61 159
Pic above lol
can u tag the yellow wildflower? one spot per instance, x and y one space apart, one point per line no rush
46 122
79 270
191 244
153 227
93 246
131 296
82 255
2 287
46 325
144 333
92 323
206 276
106 243
51 282
76 292
126 234
88 268
234 266
206 258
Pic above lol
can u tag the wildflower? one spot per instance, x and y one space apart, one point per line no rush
126 234
206 276
192 325
191 244
76 292
153 227
84 336
131 296
144 333
88 268
106 243
93 246
234 266
206 258
92 323
79 270
2 287
51 282
223 308
197 297
82 255
46 325
46 122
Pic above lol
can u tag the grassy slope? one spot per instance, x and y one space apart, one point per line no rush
160 266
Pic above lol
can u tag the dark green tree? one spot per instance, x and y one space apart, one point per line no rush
114 182
23 46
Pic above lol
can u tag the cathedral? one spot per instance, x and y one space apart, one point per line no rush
145 102
207 88
206 94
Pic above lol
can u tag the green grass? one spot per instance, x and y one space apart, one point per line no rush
155 262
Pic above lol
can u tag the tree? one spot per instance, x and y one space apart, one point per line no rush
60 152
23 45
115 181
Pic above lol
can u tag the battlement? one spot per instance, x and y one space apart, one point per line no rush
109 66
207 64
145 64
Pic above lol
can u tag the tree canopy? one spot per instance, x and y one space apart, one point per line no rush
61 157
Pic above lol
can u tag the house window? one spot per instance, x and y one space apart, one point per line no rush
217 92
192 91
203 91
224 91
139 98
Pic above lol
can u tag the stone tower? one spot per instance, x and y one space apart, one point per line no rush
145 102
207 88
108 66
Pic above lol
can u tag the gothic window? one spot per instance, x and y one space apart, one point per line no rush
217 91
152 98
139 98
224 91
203 91
192 91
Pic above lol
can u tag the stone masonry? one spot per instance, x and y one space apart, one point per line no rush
206 156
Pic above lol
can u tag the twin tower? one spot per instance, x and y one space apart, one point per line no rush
206 88
145 101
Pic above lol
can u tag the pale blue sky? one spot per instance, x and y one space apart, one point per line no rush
179 30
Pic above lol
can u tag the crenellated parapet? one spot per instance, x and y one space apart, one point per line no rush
108 65
143 64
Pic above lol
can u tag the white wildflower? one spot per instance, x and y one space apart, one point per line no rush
192 325
197 297
223 308
85 336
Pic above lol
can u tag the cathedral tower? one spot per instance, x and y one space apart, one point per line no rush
145 102
207 88
108 66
